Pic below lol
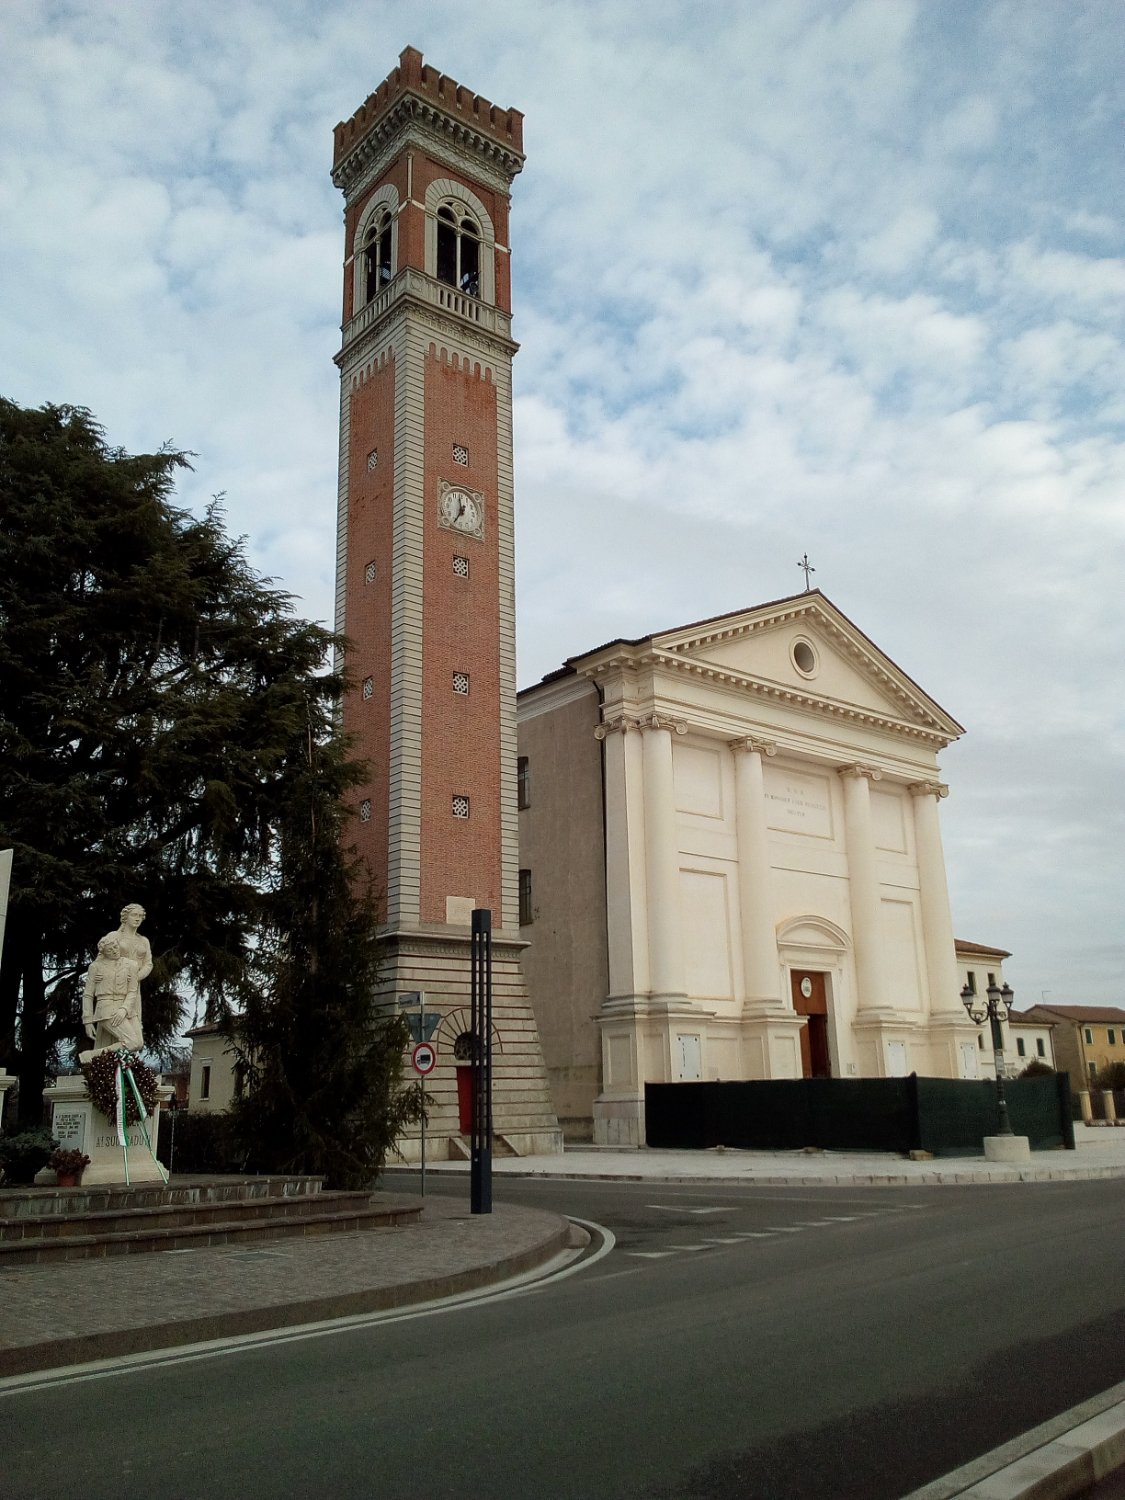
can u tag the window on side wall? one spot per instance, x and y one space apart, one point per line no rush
527 915
1040 1047
1021 1046
205 1081
1089 1035
523 782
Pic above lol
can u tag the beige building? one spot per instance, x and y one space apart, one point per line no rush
731 864
1087 1038
214 1079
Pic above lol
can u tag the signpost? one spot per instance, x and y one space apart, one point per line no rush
424 1059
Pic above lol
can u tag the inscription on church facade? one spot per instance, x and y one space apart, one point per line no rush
798 804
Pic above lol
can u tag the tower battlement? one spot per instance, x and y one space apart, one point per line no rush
412 76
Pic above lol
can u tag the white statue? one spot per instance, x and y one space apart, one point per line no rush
132 944
111 1001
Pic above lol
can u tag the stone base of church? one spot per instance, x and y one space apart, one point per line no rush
437 965
619 1122
78 1126
771 1043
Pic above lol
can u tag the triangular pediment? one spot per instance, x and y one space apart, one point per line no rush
805 650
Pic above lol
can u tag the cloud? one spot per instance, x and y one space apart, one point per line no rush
830 277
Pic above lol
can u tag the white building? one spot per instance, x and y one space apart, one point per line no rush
731 864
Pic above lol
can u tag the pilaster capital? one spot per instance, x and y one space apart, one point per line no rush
750 744
622 724
936 789
663 721
858 771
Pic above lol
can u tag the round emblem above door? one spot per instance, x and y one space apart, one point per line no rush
806 986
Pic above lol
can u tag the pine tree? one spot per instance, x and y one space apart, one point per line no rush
152 688
322 1073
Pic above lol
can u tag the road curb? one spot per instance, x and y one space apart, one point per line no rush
1056 1460
845 1179
58 1353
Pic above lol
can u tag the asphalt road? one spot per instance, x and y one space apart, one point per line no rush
737 1342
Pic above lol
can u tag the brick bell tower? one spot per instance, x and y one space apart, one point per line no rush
425 566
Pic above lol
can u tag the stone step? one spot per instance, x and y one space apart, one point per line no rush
37 1202
175 1215
38 1251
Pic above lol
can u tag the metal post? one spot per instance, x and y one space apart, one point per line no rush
421 1037
998 1058
481 1024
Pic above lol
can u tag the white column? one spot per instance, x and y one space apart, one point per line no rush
937 919
759 941
863 886
626 884
662 863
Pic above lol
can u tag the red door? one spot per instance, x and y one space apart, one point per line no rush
465 1098
810 998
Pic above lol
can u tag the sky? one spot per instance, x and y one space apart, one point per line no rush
789 276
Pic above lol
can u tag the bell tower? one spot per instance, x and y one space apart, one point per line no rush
425 561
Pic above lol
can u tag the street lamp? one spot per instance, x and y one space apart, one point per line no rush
995 1008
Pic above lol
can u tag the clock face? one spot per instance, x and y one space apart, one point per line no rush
461 510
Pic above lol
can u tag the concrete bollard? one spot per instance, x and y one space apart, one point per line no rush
1086 1105
1110 1108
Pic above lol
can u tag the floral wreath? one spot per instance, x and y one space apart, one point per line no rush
100 1074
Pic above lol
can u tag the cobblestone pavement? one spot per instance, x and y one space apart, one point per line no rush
75 1311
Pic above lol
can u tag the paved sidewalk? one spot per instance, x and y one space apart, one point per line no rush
1100 1152
74 1311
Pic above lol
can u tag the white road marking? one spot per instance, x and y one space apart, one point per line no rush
651 1254
730 1239
689 1247
676 1208
126 1364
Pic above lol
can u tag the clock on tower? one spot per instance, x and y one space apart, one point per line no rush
425 562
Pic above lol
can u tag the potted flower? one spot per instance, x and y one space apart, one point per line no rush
68 1166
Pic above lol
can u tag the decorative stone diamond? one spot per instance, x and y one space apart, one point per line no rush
369 573
460 807
373 460
365 810
461 567
368 687
461 682
460 454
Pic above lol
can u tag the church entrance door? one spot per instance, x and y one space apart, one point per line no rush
810 998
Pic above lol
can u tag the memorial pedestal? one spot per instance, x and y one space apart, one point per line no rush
78 1126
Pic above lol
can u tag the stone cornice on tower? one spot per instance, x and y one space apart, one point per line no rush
414 93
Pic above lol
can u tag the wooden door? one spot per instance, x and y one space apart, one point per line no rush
810 998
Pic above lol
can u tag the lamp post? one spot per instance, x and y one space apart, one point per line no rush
994 1009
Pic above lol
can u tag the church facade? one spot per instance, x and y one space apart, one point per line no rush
731 864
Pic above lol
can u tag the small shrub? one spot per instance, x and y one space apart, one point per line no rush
1037 1069
202 1143
22 1155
